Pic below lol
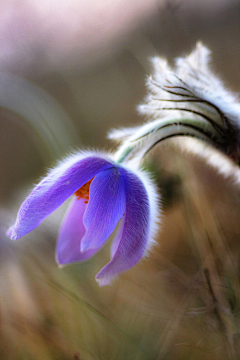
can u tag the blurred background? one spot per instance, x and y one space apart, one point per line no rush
69 72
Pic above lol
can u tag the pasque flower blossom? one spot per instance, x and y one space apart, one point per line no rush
108 196
114 197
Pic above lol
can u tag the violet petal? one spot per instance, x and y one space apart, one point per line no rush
106 207
135 233
70 235
54 189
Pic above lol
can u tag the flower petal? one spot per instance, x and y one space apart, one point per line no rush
118 236
70 235
106 207
135 233
54 189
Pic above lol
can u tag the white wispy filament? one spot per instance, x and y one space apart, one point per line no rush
188 100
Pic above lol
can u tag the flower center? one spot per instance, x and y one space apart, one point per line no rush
83 192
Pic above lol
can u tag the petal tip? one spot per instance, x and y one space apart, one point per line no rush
60 262
60 265
12 234
104 280
84 247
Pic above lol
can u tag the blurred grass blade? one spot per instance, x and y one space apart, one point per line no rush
55 130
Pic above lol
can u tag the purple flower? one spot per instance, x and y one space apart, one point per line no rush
107 196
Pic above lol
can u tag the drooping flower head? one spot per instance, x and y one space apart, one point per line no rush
106 195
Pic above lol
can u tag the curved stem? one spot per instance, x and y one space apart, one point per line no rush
163 129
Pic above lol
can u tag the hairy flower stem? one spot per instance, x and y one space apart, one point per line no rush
147 136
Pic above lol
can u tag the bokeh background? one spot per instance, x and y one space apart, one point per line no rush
69 72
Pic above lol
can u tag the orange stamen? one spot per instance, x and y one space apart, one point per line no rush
83 192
